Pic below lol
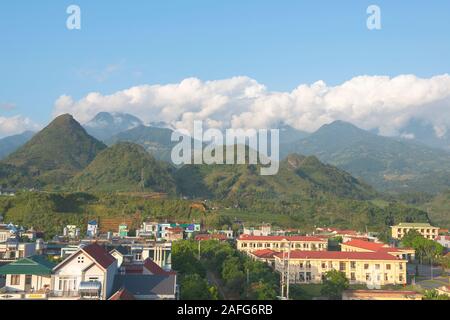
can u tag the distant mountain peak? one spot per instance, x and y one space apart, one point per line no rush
105 124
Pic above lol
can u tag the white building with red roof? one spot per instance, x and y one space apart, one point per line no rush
249 243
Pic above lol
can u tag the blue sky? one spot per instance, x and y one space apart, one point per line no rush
281 44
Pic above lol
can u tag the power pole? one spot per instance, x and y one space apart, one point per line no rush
288 271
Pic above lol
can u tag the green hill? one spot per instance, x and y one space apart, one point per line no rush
298 177
56 153
125 167
10 144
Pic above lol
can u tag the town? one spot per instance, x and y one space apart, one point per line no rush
105 260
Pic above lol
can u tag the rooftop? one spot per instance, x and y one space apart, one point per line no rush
36 265
148 285
414 225
282 238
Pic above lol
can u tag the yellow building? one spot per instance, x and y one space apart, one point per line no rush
248 243
374 269
425 229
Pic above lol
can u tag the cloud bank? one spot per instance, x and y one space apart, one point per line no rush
15 125
370 102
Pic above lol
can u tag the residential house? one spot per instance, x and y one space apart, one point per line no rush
370 268
123 230
87 273
28 278
92 229
263 230
175 234
148 230
12 249
146 287
444 241
264 255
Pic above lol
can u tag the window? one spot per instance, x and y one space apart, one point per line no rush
353 264
324 265
388 267
342 266
386 278
400 278
401 266
368 277
352 276
15 280
28 279
366 266
80 259
377 267
308 276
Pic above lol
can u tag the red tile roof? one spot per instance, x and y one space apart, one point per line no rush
282 238
176 230
264 254
151 266
122 294
372 246
99 254
337 255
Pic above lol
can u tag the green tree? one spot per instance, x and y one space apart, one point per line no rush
194 287
334 284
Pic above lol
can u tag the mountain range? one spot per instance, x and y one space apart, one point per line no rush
389 164
10 144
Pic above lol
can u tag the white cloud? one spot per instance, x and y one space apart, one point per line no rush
370 102
15 125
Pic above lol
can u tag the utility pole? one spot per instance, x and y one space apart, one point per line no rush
288 271
199 249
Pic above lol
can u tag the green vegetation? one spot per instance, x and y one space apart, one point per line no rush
426 249
434 295
334 284
125 167
234 275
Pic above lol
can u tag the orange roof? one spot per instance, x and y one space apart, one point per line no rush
218 236
372 246
282 238
264 254
337 255
122 294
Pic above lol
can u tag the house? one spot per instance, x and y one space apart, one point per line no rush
146 287
425 229
444 241
264 230
71 232
30 278
381 295
228 233
92 229
148 230
174 234
13 249
123 295
247 243
367 246
369 268
123 230
88 273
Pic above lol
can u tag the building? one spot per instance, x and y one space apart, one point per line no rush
366 246
175 234
123 230
13 249
381 295
247 243
88 273
425 229
264 230
228 233
444 241
28 278
264 255
92 229
148 230
71 232
372 269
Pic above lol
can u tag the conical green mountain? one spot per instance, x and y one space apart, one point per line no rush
298 177
56 153
125 167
